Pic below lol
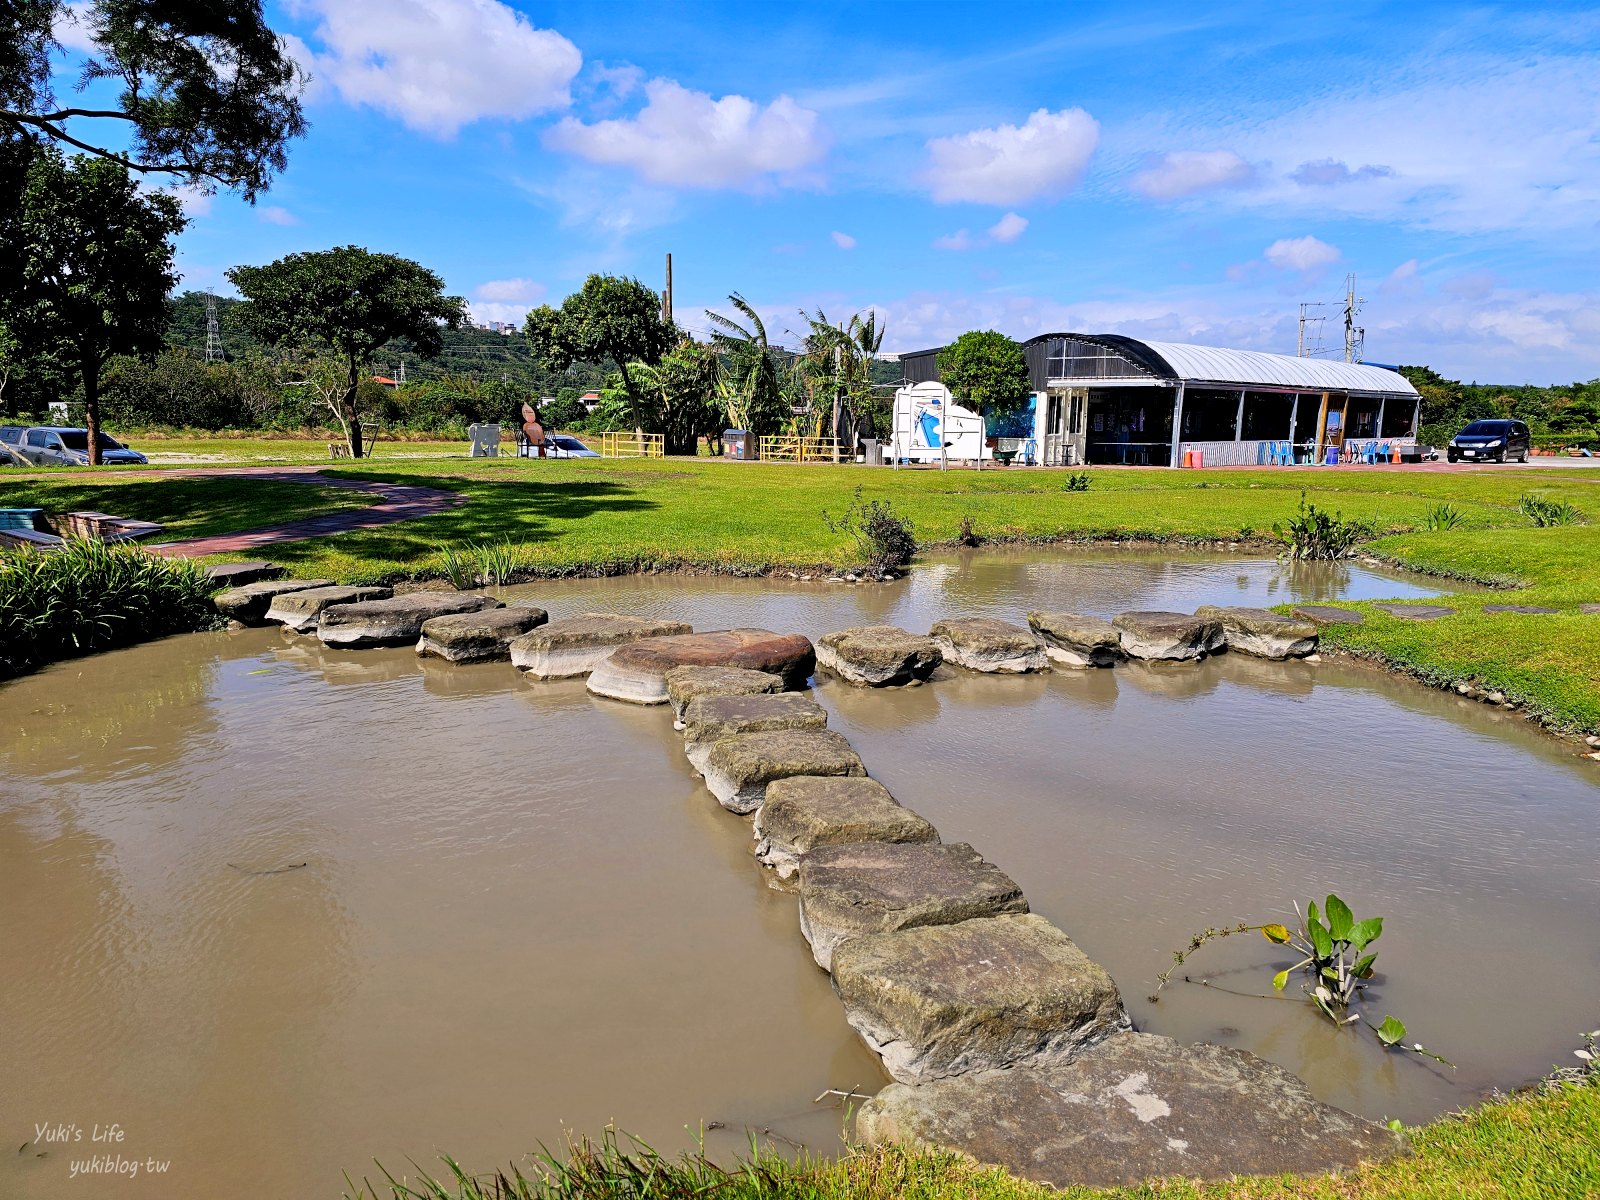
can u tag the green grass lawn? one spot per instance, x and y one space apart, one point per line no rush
190 452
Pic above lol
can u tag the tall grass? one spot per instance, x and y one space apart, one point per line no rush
89 595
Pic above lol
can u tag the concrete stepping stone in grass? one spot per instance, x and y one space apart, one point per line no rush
237 574
1168 636
804 812
1416 612
1327 614
574 646
709 719
850 891
1530 609
878 655
1075 640
396 621
1589 609
738 769
1262 633
988 645
1135 1107
248 604
686 683
478 636
979 995
300 610
637 672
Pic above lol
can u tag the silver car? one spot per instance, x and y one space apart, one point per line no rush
66 446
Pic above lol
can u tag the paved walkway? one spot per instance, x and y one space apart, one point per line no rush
398 502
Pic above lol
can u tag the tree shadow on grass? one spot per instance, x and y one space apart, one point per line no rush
189 507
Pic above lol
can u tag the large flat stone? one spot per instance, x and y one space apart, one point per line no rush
1525 609
738 768
395 621
1416 612
803 812
1133 1108
709 719
1328 614
574 646
237 574
478 636
1589 610
300 610
1075 640
980 995
878 655
985 644
1261 632
687 683
637 672
849 891
249 602
1168 636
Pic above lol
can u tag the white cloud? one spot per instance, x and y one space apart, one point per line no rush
276 214
1008 228
514 291
959 240
843 240
1301 254
1185 172
71 28
1042 158
684 138
440 64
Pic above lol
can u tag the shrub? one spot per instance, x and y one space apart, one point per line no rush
1313 533
89 595
1444 516
1076 481
968 534
885 539
1544 512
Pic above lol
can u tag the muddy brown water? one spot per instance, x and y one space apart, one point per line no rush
519 912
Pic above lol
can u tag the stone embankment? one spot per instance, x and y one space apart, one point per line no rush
1005 1040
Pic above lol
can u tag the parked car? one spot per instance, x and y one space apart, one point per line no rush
564 445
62 445
1498 440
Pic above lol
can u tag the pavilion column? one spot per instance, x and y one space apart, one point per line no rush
1377 431
1294 415
1177 424
1238 420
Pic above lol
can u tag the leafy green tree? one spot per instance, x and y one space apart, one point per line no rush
680 396
95 268
751 385
208 93
564 410
986 371
835 367
352 302
609 318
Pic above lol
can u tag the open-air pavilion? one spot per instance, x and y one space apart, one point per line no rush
1104 398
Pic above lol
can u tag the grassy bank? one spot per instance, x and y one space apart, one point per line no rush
1537 1146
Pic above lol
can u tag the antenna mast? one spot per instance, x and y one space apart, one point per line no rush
1354 335
214 351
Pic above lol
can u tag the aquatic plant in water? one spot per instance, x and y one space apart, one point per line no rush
1314 533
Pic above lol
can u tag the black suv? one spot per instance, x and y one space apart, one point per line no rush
1483 441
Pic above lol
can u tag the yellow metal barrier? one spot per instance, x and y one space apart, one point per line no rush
626 444
789 448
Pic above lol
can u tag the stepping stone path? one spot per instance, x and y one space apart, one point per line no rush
1133 1108
478 636
575 646
1530 609
807 811
396 621
979 995
237 574
875 887
1262 633
637 672
737 769
1327 614
709 719
985 644
1075 640
300 610
686 683
1168 636
1416 612
248 604
878 655
1589 609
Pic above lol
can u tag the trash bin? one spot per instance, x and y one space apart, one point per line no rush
738 444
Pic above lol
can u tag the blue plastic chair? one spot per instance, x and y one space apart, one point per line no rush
1384 451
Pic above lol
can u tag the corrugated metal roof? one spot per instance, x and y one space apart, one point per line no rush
1212 364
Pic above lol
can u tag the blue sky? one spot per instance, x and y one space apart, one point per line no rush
1180 172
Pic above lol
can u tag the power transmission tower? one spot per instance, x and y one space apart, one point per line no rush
214 351
1311 347
1354 335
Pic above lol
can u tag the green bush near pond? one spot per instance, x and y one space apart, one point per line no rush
89 595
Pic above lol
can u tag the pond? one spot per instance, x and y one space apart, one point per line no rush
519 912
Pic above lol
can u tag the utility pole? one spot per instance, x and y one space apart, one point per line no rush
214 351
838 388
1354 335
1314 347
666 293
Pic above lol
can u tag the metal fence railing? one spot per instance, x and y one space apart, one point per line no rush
627 444
792 448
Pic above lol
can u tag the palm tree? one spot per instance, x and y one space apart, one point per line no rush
749 387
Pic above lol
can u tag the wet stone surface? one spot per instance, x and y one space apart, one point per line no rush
851 890
878 655
248 603
979 995
395 621
478 636
738 769
1168 636
1075 640
1262 633
807 811
1135 1107
708 719
574 646
300 610
989 645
